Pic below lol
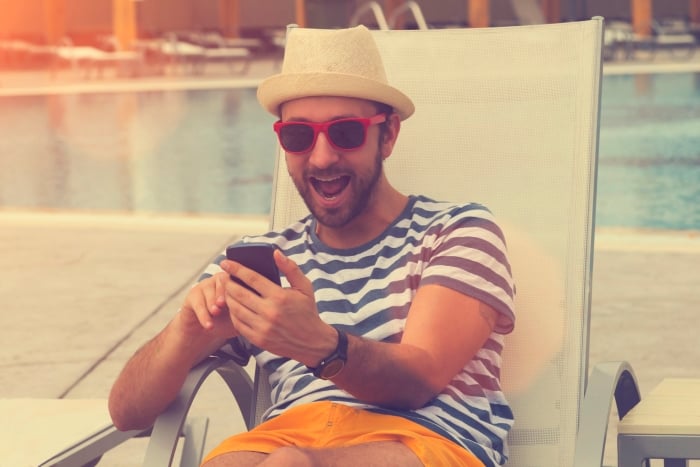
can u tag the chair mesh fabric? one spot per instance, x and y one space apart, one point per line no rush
508 117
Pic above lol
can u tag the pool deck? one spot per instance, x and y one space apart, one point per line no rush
82 292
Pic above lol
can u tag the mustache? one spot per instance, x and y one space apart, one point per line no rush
328 173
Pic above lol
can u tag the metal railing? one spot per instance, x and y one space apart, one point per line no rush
414 9
375 9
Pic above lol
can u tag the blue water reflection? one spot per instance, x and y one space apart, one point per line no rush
649 172
170 151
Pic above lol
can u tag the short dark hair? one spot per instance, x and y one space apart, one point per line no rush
383 108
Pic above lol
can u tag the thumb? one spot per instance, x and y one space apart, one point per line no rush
297 279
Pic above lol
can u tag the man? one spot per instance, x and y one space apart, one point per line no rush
384 344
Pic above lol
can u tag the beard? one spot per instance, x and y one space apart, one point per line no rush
362 186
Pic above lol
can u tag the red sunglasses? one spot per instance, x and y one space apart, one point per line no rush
344 134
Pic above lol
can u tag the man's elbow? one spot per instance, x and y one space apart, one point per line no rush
420 399
422 393
125 419
126 423
417 397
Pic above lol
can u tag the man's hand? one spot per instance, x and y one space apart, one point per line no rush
205 309
152 378
283 321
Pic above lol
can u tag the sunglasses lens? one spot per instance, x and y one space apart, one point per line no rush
296 137
347 134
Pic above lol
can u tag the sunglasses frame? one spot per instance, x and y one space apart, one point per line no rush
322 127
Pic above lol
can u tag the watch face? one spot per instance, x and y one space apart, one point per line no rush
332 368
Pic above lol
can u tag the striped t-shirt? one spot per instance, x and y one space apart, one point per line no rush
367 291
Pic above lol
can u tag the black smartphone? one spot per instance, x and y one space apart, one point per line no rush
255 256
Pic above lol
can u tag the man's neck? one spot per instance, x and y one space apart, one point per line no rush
365 227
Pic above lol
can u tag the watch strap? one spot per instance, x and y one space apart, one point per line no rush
339 355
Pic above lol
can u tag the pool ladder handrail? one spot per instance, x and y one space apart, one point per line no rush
414 9
376 10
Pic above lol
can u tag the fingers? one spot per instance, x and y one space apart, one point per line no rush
275 318
250 279
263 286
295 277
217 303
206 300
266 296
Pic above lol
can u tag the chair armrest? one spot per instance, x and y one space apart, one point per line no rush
169 424
90 449
607 380
242 387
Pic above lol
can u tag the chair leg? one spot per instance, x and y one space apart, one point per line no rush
93 462
675 463
195 433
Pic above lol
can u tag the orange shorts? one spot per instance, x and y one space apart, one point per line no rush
332 425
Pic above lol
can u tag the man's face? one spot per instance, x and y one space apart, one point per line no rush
336 185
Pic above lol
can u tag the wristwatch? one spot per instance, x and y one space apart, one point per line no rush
333 364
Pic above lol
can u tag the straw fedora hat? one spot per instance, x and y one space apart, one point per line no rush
332 62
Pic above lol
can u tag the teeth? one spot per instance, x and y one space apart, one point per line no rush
327 179
329 187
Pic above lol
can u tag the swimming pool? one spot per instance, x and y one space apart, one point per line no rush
197 151
211 152
649 153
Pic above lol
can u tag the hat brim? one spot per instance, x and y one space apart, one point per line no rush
278 89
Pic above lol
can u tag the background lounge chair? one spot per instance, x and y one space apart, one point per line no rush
92 59
193 52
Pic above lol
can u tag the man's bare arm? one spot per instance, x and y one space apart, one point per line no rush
148 382
152 378
444 331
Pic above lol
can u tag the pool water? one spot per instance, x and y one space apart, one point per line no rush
212 152
193 152
649 153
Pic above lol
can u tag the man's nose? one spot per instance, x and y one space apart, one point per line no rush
323 155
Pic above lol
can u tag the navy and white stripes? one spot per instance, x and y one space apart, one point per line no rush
368 292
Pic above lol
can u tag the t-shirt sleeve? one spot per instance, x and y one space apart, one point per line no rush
467 253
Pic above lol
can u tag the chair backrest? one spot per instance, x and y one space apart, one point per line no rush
509 117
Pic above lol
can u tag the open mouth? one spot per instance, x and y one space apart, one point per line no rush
330 188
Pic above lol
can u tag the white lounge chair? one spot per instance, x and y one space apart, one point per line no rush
171 50
93 60
508 117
